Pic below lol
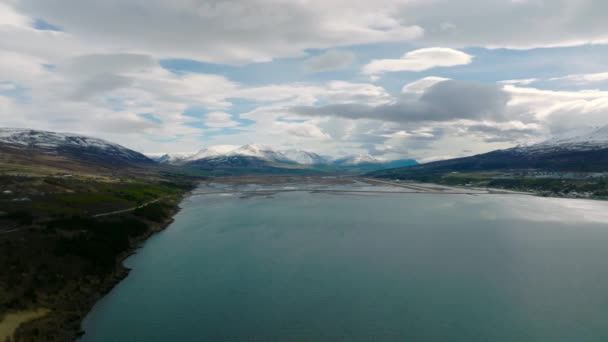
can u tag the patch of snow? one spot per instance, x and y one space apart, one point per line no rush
212 151
358 159
305 157
52 141
259 151
579 140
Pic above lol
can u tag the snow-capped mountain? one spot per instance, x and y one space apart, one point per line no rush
212 151
576 152
357 159
264 158
586 140
170 158
305 157
264 152
68 144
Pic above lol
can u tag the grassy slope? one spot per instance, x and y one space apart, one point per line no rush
55 254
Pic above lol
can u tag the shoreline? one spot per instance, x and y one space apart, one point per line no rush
123 271
86 296
492 190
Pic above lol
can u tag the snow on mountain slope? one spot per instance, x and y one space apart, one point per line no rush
170 158
593 139
183 157
57 143
357 159
212 151
269 154
595 136
305 157
260 151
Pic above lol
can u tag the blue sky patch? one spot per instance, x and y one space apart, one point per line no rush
40 24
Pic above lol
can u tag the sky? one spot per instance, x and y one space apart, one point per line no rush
423 79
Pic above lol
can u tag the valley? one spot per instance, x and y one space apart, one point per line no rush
73 208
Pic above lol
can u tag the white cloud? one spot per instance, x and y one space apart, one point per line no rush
330 60
583 78
419 60
8 16
421 85
225 31
443 101
522 81
103 72
7 86
301 129
559 111
509 24
219 120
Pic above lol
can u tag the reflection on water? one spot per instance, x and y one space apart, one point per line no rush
306 266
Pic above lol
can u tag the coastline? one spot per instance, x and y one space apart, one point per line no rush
86 296
81 296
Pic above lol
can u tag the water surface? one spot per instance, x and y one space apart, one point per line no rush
385 267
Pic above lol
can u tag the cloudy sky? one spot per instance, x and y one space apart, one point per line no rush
424 79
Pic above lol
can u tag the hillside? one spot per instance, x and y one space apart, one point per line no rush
584 153
71 209
23 148
78 147
575 166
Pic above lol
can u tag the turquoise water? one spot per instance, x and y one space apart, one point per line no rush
393 267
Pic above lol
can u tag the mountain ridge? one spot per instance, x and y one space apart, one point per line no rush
250 158
28 143
584 153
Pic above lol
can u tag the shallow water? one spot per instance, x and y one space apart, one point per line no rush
385 267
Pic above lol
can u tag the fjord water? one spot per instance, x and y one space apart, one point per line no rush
389 267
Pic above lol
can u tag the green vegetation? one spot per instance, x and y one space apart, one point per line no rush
597 188
156 212
99 242
54 252
562 187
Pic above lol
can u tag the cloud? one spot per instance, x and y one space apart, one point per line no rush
233 32
6 86
511 131
447 100
509 24
522 81
383 150
421 85
560 111
8 16
301 129
219 120
261 30
330 60
419 60
101 74
107 63
583 78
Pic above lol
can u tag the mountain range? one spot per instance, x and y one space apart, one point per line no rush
35 147
257 158
585 152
